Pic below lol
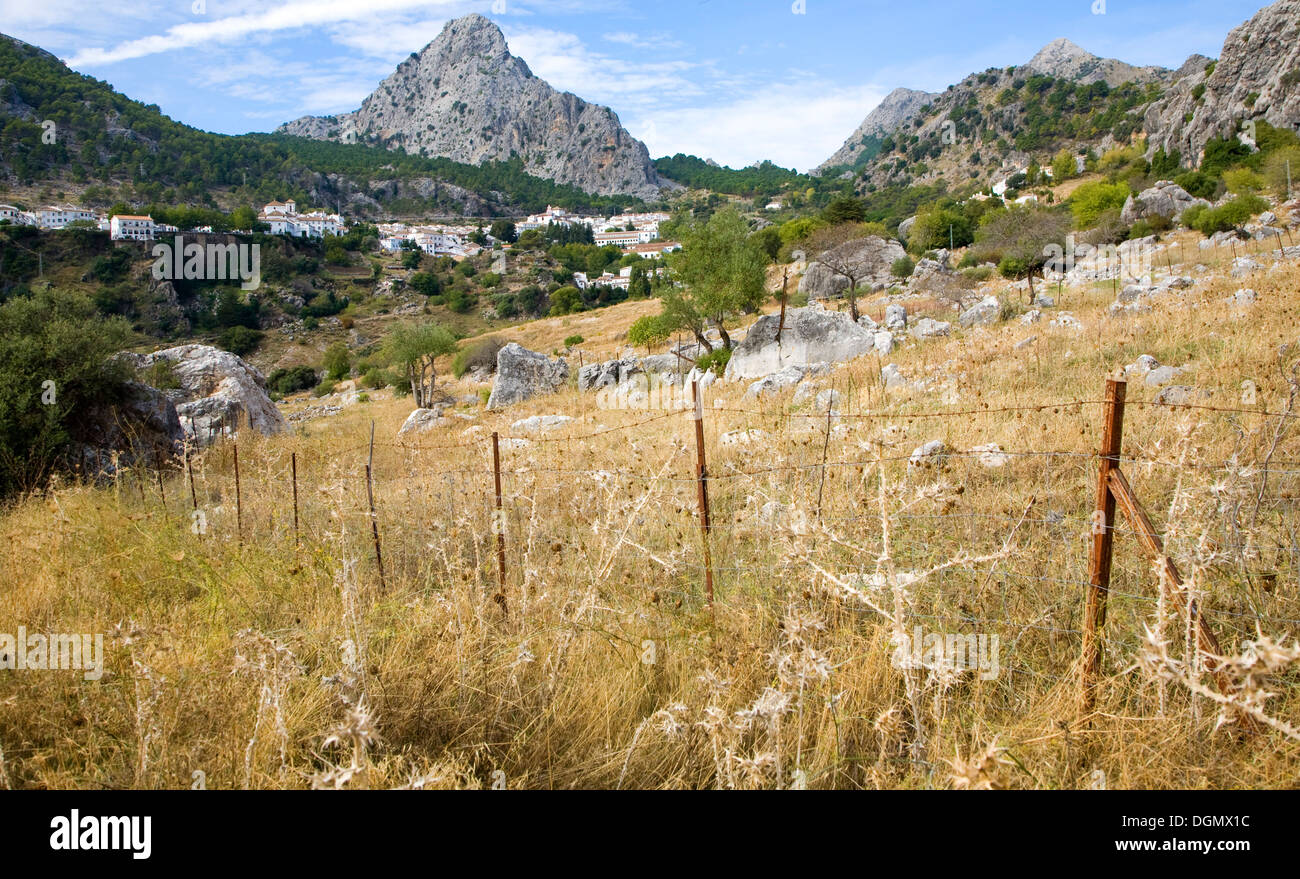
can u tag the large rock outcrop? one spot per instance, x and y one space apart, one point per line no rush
870 259
216 391
1166 199
1254 78
141 429
465 97
522 374
810 336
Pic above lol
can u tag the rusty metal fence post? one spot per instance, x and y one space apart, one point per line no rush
1103 534
499 520
702 480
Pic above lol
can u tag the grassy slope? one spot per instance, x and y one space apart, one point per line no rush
604 556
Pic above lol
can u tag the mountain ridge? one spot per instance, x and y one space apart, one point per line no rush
465 97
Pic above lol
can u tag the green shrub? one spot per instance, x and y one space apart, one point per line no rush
52 337
572 341
715 360
324 389
376 378
1140 229
650 330
240 340
461 300
1227 216
291 380
111 268
1091 200
902 267
481 354
338 363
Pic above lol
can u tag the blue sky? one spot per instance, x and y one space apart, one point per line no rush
730 80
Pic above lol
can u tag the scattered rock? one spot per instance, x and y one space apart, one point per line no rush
743 437
982 313
932 454
896 317
990 456
892 378
522 374
1165 198
776 382
142 429
929 328
541 422
871 257
422 420
1244 265
1180 395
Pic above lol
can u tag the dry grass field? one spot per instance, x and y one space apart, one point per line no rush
267 656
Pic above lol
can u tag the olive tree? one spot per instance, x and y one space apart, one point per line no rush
416 348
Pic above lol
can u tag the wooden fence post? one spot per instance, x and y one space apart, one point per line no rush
239 503
499 521
189 467
374 519
702 478
293 474
1103 533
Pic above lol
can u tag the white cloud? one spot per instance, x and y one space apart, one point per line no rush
290 16
564 61
796 125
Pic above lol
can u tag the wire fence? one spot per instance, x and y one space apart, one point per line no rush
794 506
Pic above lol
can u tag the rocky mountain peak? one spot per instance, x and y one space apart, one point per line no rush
466 97
1062 58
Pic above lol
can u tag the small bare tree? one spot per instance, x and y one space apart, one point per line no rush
846 254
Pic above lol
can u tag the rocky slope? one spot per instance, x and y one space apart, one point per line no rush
1257 76
992 121
465 97
897 107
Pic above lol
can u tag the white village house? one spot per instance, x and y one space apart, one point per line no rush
626 239
58 217
284 219
125 227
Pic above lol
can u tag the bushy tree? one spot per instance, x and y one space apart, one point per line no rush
52 337
649 330
338 362
1063 166
722 271
415 348
1091 200
504 230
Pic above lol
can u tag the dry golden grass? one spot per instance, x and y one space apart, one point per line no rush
266 662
